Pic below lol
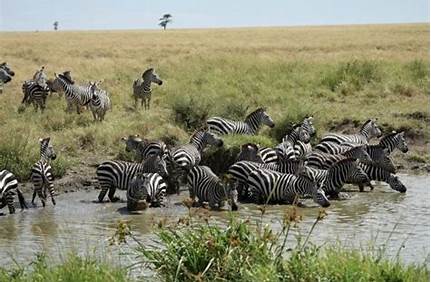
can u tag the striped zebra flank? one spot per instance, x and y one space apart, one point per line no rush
142 88
250 126
147 189
242 169
271 187
113 175
368 131
189 155
76 95
207 187
8 187
333 179
322 160
41 173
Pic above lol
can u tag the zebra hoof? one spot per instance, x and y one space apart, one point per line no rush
115 199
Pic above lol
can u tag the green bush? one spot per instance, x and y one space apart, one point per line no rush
190 112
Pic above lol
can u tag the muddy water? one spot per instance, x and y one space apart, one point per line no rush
79 224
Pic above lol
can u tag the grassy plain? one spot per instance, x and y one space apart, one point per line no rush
342 75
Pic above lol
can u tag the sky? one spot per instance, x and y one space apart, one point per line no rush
30 15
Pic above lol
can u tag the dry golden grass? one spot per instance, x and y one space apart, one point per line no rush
288 70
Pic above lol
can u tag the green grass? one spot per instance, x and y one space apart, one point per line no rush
333 73
74 269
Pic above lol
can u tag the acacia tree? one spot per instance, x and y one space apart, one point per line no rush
164 20
55 25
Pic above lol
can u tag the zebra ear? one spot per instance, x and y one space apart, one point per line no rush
40 140
402 133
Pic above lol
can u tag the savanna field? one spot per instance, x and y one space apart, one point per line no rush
340 75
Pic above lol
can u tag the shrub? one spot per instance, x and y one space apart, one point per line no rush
190 112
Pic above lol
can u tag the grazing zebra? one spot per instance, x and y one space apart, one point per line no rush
142 87
144 148
41 172
333 179
207 187
189 155
249 152
242 169
368 131
100 102
76 95
8 186
6 73
250 126
267 186
321 160
299 133
119 174
146 188
380 174
35 94
55 85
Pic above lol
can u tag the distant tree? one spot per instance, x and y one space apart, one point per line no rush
164 20
55 25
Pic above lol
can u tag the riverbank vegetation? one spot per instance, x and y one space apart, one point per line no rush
342 75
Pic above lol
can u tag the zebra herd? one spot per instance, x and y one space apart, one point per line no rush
89 95
283 174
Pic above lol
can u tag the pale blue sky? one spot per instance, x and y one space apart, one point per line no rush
144 14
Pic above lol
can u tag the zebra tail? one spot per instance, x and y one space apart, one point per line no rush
21 199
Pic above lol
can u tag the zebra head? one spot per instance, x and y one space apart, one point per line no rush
203 137
395 140
150 75
402 143
370 129
264 117
4 66
396 184
312 187
132 142
359 153
302 133
162 167
307 124
46 150
249 152
139 192
230 191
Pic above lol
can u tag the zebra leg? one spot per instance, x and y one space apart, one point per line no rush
41 196
136 102
51 192
149 101
102 193
111 195
34 196
10 205
142 102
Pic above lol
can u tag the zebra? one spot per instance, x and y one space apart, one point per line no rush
35 94
380 174
118 174
286 148
207 187
146 188
267 186
55 86
321 160
250 126
41 172
189 155
368 131
8 186
40 77
6 73
144 148
100 102
394 140
333 179
242 169
142 87
76 95
249 152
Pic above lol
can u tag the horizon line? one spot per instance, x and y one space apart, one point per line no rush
214 28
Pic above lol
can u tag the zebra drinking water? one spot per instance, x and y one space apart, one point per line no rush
207 187
368 131
250 126
119 174
267 186
380 174
142 88
146 188
76 95
41 172
8 186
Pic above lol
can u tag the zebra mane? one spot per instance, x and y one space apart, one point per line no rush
343 161
66 77
148 71
200 130
366 123
255 111
388 136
